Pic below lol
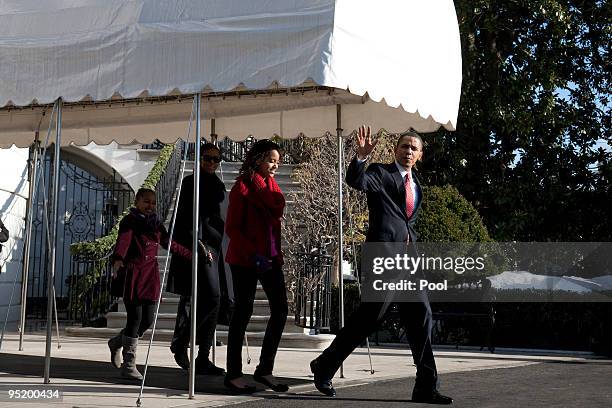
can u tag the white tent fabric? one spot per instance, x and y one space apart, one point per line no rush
404 54
311 113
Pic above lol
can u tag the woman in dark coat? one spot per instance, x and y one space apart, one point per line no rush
212 285
4 233
4 236
136 276
256 206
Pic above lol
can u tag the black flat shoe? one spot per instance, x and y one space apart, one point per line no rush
274 387
430 397
321 382
182 359
249 389
207 368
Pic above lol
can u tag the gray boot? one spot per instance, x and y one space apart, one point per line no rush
115 344
128 368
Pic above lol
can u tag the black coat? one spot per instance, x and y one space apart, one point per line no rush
211 226
4 234
386 195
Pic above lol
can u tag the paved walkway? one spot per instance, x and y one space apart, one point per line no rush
82 371
541 385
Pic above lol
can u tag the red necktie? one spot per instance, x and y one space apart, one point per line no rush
409 195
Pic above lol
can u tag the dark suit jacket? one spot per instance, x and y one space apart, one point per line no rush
386 195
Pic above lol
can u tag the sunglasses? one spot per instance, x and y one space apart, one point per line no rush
215 159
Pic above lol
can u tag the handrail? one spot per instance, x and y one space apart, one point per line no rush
89 294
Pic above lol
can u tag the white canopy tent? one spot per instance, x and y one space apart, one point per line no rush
128 70
357 53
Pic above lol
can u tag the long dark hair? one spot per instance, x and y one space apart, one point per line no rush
258 151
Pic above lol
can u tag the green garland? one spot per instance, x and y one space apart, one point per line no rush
102 246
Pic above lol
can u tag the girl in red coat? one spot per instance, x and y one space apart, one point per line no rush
136 276
253 225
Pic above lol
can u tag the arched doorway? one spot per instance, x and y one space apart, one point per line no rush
91 198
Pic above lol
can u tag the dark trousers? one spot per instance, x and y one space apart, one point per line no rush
245 285
414 316
139 317
209 299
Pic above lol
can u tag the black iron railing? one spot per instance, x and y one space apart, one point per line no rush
90 297
313 291
232 151
166 186
156 145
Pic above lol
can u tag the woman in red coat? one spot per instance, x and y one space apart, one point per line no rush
253 225
136 276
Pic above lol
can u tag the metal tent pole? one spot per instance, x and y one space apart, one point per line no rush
8 309
54 212
340 217
28 240
359 283
35 179
167 260
194 247
49 243
213 134
213 140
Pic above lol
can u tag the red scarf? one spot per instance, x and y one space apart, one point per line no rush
266 195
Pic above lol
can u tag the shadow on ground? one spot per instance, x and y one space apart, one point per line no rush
102 372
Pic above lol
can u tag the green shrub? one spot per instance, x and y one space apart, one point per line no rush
446 216
351 303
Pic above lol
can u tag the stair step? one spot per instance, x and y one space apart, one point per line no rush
285 182
235 166
288 340
167 321
169 305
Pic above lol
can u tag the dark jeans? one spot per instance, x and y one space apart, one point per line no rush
139 317
245 285
209 299
416 318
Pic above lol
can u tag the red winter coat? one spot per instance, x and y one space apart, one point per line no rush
137 245
255 204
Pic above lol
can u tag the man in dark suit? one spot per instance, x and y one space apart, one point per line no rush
394 198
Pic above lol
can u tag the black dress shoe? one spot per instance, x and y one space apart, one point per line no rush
274 387
248 389
181 358
321 382
206 367
430 397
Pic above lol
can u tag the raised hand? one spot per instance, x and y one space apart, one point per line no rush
365 146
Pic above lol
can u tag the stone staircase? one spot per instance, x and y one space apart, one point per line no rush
293 336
